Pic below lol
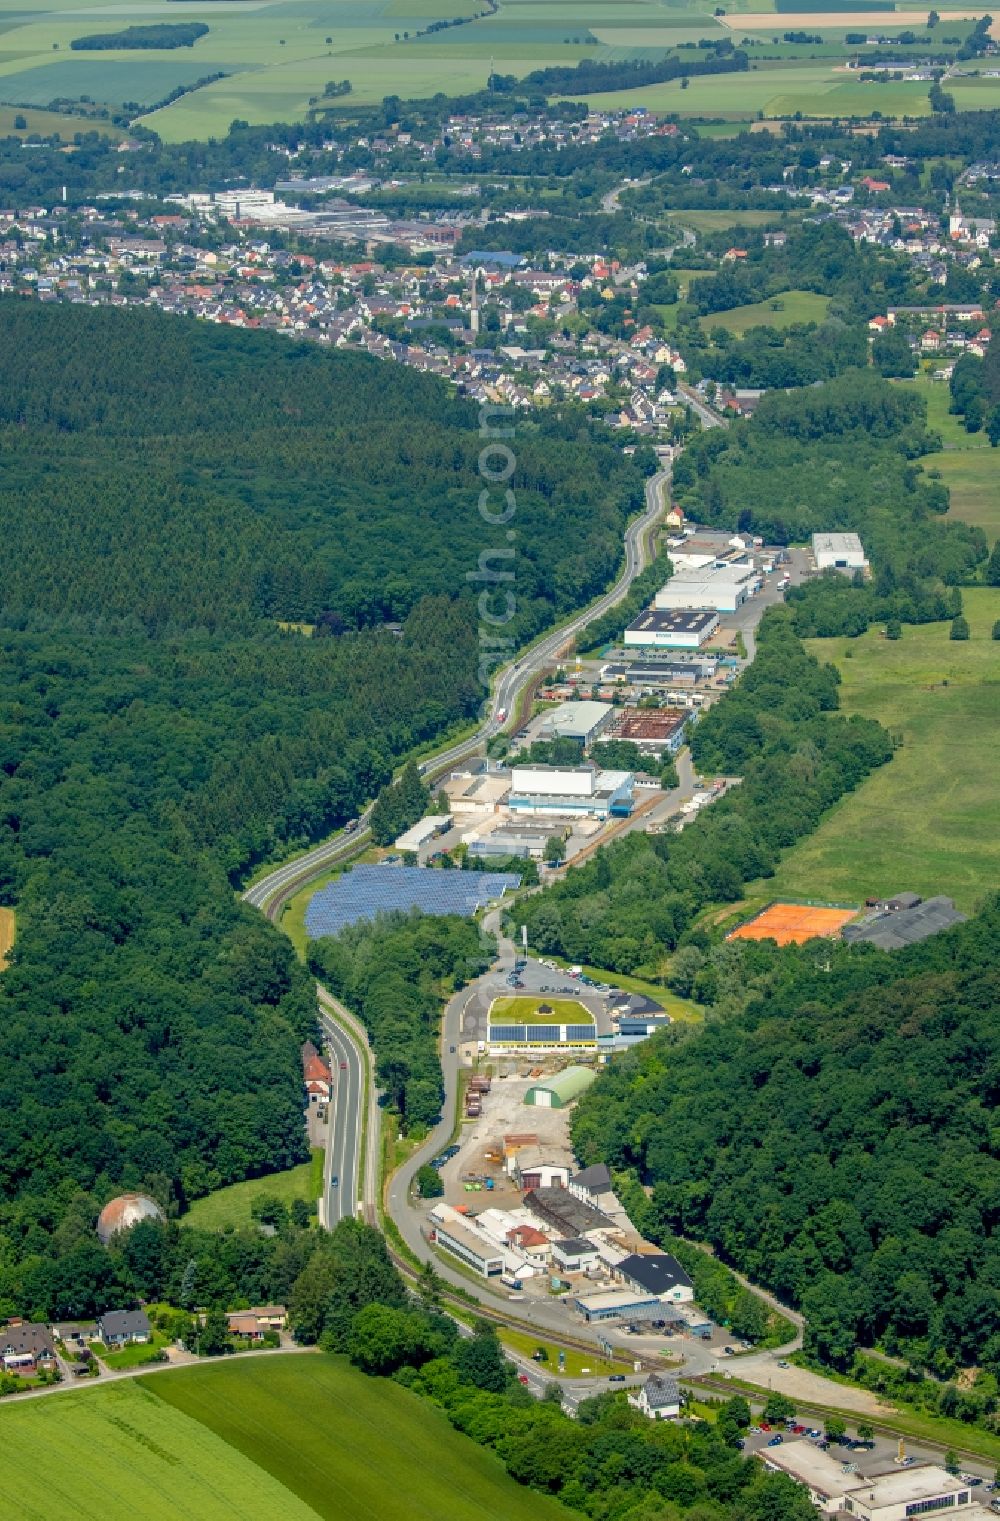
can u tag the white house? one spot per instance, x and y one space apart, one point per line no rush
659 1398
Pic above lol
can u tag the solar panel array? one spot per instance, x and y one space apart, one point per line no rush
539 1035
369 890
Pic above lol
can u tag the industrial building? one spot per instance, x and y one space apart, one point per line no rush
511 1033
475 1251
650 671
618 1304
898 1496
420 834
582 721
685 628
826 1478
656 1273
838 551
500 844
653 730
570 791
720 584
892 928
476 791
562 1089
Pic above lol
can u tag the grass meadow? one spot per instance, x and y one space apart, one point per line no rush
231 1206
929 821
967 464
527 1011
783 310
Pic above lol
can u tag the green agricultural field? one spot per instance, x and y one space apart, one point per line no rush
526 1010
52 124
347 1446
300 1437
231 1206
120 1453
718 221
928 821
784 310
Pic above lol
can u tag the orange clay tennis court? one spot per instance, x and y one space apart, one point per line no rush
793 923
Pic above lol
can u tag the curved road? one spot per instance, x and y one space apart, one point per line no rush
285 880
345 1191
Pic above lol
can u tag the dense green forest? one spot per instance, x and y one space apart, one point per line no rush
635 899
168 34
394 973
173 475
166 491
839 456
835 1140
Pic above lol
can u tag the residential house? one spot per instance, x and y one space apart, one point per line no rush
316 1075
119 1328
659 1398
256 1322
26 1348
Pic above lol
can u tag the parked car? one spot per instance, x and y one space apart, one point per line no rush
775 1441
765 1425
522 1378
616 1378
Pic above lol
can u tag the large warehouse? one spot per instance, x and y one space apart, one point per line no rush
570 792
678 629
838 551
581 721
721 585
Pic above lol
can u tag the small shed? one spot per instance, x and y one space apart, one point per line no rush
562 1089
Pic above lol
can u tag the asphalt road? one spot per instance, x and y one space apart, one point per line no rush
271 891
340 1175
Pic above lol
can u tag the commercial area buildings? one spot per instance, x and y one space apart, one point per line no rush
653 730
570 791
838 551
677 629
420 834
919 1490
582 721
719 584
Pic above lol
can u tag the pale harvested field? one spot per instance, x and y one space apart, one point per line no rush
6 934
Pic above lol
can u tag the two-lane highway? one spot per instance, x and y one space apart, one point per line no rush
343 1189
343 1148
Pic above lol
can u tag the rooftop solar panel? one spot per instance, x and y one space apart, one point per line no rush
367 891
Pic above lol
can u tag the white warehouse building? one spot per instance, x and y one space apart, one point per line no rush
724 586
680 628
569 792
838 551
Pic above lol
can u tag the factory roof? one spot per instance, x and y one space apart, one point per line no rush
836 543
676 620
656 1272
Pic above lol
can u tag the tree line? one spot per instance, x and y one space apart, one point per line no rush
832 1140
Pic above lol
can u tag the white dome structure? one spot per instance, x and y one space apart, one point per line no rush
124 1212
